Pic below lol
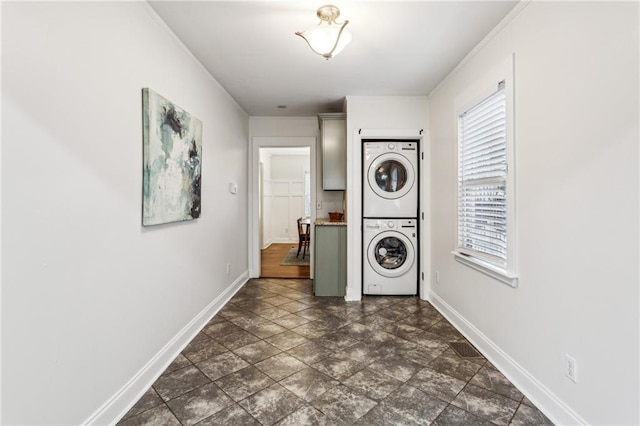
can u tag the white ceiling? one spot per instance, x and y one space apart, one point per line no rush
399 48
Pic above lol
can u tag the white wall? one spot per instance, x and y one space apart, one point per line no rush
390 116
576 137
289 167
284 126
89 297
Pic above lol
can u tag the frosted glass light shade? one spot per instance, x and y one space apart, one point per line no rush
327 40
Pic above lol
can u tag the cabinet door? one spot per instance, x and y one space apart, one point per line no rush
330 261
342 260
334 154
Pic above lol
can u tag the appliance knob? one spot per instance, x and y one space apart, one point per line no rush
391 146
391 224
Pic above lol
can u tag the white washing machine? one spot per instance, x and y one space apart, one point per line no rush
390 263
390 181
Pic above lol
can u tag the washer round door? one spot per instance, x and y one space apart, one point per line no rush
390 254
391 176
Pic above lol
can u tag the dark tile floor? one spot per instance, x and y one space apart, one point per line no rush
275 354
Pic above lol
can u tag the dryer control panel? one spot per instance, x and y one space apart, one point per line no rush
394 146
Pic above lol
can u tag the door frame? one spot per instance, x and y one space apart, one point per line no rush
258 142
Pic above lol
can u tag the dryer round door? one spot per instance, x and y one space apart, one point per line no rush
391 175
390 254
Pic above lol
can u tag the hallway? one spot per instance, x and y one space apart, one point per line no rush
271 257
276 354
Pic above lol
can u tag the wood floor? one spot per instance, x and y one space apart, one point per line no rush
271 258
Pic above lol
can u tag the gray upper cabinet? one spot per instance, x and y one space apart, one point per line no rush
333 137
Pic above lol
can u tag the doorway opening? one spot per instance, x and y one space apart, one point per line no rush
284 197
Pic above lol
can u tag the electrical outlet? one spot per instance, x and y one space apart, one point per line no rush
318 205
228 268
437 277
571 368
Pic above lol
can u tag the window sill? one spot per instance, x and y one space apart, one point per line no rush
487 269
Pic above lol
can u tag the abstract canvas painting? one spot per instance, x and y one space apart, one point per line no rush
172 150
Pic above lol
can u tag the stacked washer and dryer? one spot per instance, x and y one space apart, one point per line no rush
390 194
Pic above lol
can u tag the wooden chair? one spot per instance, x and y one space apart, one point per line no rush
303 237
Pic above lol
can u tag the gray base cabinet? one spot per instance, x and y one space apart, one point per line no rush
330 260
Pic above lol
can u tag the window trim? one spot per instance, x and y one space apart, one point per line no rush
486 268
474 94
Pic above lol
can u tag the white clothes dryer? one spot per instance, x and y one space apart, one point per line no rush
390 181
390 261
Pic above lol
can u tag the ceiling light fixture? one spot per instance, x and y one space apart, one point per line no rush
327 40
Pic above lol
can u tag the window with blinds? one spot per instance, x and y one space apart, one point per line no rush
482 180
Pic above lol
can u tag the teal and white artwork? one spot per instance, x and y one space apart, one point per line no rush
172 149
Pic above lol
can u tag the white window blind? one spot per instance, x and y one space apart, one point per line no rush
482 180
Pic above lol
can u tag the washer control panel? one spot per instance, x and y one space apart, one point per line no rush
378 225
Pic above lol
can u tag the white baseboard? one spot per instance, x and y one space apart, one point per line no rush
353 295
283 241
120 403
556 410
